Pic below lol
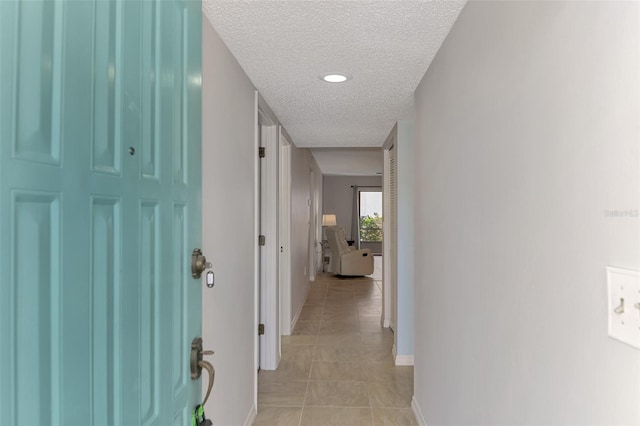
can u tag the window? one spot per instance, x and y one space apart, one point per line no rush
370 216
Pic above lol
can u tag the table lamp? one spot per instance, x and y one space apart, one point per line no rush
329 220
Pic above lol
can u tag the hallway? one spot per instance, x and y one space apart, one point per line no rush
337 367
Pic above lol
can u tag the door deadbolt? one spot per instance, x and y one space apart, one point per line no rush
198 263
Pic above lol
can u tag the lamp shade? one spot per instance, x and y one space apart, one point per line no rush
329 220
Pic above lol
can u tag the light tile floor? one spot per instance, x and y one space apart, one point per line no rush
337 367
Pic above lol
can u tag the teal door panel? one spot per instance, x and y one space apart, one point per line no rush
100 183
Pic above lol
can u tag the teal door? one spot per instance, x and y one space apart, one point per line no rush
100 183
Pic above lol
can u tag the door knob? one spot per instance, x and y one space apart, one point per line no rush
198 263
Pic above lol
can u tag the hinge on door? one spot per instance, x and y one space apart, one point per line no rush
261 152
260 329
261 240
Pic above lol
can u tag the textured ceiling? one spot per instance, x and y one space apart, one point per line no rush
386 46
345 161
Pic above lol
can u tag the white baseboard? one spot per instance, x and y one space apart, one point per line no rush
284 331
294 320
403 360
417 412
251 417
296 316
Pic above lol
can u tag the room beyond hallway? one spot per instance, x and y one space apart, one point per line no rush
337 367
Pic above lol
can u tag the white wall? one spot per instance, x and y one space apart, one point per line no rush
228 154
301 194
338 196
405 178
316 224
526 133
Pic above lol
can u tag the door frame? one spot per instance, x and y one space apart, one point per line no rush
315 220
285 232
389 248
267 306
313 239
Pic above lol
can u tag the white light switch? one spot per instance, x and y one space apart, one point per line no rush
624 305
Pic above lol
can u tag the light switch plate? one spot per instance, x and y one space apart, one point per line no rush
624 305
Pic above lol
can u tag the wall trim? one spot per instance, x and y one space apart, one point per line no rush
404 360
401 360
251 417
256 248
269 253
284 213
294 320
266 113
390 141
417 412
389 243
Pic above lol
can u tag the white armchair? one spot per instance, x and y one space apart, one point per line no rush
347 260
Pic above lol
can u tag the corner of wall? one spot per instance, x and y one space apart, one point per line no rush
251 416
299 310
417 411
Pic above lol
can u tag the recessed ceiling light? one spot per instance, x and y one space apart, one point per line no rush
335 78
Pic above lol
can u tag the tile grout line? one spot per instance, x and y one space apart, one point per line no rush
357 321
315 348
366 377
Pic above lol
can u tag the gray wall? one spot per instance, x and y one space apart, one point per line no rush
301 192
405 181
526 133
338 196
228 153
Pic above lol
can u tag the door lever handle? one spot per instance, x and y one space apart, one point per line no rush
196 357
197 364
212 376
